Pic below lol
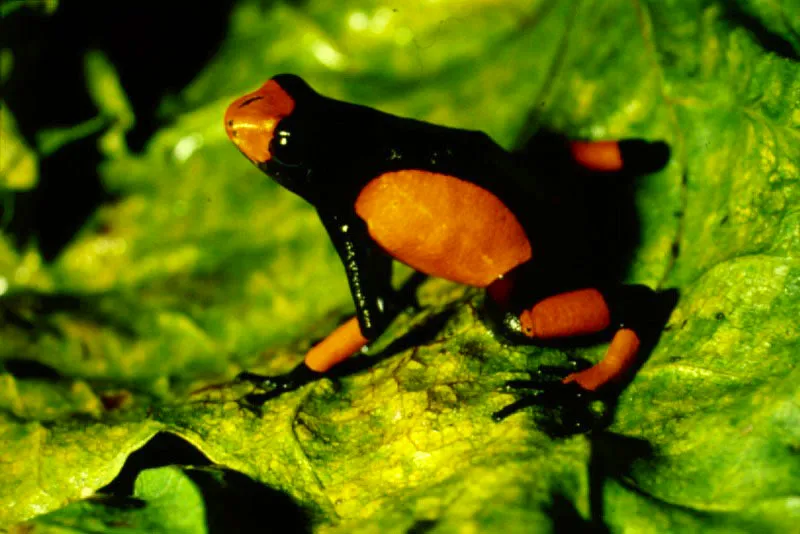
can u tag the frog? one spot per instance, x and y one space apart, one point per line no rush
449 203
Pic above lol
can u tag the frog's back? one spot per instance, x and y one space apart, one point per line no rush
443 226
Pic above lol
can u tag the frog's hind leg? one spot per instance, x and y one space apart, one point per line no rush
632 156
629 312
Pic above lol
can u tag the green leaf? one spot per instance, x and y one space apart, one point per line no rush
108 95
164 500
203 267
177 499
19 166
46 465
48 7
115 114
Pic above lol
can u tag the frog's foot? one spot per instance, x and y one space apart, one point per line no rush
274 386
565 408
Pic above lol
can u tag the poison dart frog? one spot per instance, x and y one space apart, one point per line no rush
448 202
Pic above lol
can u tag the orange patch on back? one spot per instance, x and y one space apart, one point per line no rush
250 120
574 313
443 226
601 156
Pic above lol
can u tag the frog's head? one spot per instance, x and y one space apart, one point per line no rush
250 121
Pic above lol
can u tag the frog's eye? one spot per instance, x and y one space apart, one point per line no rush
286 147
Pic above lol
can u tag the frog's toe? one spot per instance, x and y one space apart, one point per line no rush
273 386
563 409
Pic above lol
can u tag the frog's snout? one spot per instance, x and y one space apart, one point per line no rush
250 120
250 127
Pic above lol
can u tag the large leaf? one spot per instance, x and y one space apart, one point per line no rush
204 267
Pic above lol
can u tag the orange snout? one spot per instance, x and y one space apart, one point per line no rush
250 120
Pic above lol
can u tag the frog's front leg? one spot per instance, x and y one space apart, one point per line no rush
369 272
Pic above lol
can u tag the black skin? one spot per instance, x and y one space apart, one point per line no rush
326 151
317 164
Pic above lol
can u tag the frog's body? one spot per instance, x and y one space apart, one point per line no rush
449 203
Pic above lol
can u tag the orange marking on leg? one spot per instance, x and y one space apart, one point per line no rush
339 345
601 156
574 313
620 357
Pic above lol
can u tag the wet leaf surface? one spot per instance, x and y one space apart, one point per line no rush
203 267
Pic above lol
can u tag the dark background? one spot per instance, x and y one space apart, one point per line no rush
157 50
